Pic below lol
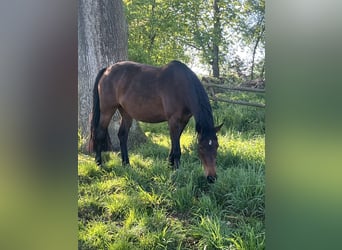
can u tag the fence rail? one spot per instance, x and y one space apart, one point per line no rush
213 97
234 88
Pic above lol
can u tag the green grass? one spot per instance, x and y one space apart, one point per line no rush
150 206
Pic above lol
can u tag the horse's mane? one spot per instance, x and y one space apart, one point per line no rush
201 108
204 117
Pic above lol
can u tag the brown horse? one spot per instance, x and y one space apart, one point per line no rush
172 93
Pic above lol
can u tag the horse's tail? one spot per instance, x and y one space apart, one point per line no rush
95 112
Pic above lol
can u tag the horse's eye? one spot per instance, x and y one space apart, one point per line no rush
210 142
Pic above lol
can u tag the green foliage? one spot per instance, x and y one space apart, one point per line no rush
154 32
150 206
248 120
161 31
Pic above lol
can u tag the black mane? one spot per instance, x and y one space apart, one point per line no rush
202 110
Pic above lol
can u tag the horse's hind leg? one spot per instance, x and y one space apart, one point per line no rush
126 123
101 135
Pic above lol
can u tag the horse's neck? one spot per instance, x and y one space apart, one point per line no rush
203 117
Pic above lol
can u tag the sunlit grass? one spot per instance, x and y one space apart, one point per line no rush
148 205
211 232
95 235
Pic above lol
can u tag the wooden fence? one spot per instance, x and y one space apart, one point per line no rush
212 95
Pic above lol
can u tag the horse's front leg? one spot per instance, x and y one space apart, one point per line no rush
175 154
171 158
176 128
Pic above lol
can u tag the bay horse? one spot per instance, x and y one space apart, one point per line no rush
171 93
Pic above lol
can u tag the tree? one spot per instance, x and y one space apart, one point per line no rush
214 30
253 30
217 35
102 41
162 30
211 24
154 31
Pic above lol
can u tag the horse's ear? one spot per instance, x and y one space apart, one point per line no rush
217 129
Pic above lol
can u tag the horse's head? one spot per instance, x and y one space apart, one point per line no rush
207 150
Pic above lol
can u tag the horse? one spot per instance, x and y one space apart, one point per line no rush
146 93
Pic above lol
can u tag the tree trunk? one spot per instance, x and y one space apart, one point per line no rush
102 41
216 40
262 71
254 51
253 58
215 66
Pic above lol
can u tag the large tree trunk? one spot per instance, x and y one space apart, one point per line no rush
102 41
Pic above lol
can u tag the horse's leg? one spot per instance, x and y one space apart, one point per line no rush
101 133
126 123
176 127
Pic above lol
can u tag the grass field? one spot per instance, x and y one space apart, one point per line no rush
150 206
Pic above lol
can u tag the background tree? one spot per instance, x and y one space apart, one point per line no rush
218 33
253 32
102 41
164 30
154 31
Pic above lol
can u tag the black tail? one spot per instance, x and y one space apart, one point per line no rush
95 112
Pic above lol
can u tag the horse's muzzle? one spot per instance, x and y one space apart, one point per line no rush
211 179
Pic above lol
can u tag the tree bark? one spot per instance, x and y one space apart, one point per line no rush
102 41
216 40
254 51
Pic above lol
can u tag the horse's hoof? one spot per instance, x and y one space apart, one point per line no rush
211 179
174 167
98 162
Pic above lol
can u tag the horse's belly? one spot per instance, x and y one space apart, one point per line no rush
145 112
151 119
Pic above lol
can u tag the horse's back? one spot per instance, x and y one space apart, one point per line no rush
143 76
148 93
134 87
148 81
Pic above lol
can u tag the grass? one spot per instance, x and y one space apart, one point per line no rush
150 206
